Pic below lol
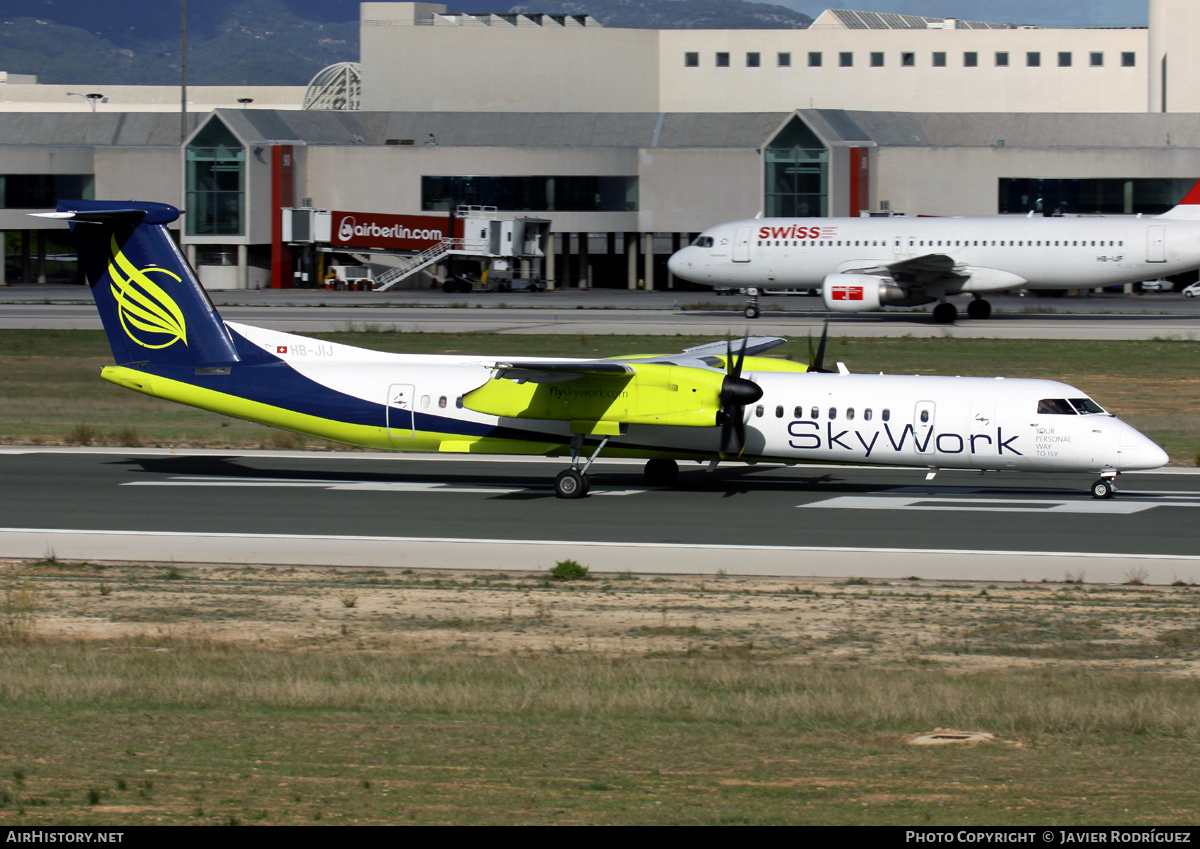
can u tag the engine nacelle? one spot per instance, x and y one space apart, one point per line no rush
859 292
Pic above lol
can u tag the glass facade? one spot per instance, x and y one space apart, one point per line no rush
216 183
1107 196
797 174
532 194
42 191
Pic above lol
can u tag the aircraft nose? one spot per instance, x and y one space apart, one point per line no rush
1137 451
677 264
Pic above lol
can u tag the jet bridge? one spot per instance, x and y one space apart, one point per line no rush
419 242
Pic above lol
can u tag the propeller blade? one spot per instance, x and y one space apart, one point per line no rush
817 363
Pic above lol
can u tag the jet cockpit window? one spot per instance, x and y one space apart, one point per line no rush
703 242
1087 407
1055 407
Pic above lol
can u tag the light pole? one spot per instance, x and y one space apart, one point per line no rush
92 98
183 72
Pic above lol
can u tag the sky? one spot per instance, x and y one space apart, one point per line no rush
1072 13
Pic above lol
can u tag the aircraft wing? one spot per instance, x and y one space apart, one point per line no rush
926 267
700 356
687 389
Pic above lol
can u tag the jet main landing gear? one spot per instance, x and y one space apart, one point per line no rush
979 309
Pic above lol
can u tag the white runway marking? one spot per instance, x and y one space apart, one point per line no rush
361 486
1115 507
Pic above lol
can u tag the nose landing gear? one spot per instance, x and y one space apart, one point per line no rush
752 310
1106 486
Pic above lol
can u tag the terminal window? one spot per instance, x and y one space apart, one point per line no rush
1064 60
1115 196
691 60
971 60
215 183
1127 60
846 60
1002 59
753 60
939 60
784 60
1033 59
814 60
876 60
908 60
42 191
722 60
535 193
1097 60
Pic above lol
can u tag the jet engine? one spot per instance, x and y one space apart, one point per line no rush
859 292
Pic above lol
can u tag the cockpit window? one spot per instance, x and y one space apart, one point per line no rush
702 242
1087 407
1055 407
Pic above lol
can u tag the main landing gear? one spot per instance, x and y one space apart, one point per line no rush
947 313
979 309
573 482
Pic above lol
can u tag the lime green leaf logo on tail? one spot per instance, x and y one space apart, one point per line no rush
147 312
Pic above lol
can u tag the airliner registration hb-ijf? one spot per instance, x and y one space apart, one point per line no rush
712 403
861 264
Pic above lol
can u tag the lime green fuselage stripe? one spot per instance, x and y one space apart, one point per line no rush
363 436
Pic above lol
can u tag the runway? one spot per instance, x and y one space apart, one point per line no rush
423 511
1109 316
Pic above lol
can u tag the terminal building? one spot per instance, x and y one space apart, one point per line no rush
628 142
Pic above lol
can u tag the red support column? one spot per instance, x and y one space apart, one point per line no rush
283 195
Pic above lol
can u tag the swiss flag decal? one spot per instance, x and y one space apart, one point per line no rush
281 349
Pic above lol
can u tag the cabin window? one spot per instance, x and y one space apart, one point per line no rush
867 414
758 411
1055 407
886 414
1087 407
832 413
816 413
924 417
779 412
458 402
798 413
849 412
442 402
424 402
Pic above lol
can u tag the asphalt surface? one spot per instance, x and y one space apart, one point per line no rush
449 512
1108 316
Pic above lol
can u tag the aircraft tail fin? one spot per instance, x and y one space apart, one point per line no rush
154 310
1189 207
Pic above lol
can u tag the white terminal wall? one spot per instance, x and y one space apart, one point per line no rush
919 88
449 68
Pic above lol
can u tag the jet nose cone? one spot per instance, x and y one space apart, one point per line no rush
677 264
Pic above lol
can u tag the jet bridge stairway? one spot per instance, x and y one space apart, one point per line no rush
412 265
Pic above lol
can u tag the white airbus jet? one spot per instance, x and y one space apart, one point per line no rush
861 264
706 404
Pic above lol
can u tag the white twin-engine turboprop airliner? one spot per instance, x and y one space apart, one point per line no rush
707 404
861 264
